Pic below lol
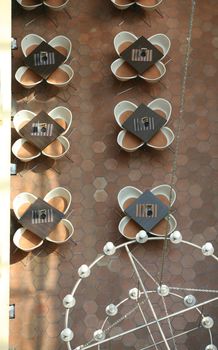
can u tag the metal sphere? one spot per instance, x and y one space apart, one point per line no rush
163 290
69 301
109 248
176 237
84 271
142 236
67 334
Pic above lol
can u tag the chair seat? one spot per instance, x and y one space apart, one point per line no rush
30 2
131 229
152 73
131 141
61 122
147 2
23 208
123 2
60 233
54 149
163 199
125 70
124 116
60 203
124 46
55 2
161 228
28 240
58 76
31 48
61 49
29 77
128 202
160 113
27 150
158 140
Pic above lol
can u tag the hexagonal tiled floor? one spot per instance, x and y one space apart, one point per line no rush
99 169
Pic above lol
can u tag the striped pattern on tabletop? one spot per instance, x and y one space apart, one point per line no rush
142 55
146 210
36 129
139 125
37 216
38 59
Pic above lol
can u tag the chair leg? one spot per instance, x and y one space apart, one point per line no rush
170 59
28 260
69 214
68 14
32 20
53 21
69 158
159 13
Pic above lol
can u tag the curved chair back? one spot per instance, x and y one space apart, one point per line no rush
148 6
128 192
160 104
59 192
122 5
29 7
64 143
124 134
170 225
21 118
63 116
18 144
128 228
169 136
166 191
162 41
122 107
61 76
121 38
30 79
116 65
22 199
62 44
162 70
26 240
56 5
58 236
30 42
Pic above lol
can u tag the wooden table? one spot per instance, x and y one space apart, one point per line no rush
41 130
147 211
141 55
41 218
44 60
144 123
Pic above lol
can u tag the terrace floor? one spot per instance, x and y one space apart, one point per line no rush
100 169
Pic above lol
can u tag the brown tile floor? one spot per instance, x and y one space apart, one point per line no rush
100 169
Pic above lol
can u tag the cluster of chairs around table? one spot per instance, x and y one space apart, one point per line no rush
148 5
60 198
129 228
129 142
60 77
124 72
56 5
25 151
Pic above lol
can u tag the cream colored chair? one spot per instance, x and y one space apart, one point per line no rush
122 4
21 118
165 193
162 106
61 76
129 142
165 226
56 5
27 78
154 74
25 5
60 198
22 202
62 232
162 139
149 5
123 110
127 195
26 240
162 42
122 70
57 149
62 116
62 44
123 40
128 228
24 150
30 42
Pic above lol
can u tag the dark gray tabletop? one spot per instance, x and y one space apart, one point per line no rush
147 211
41 130
44 60
141 55
144 123
41 218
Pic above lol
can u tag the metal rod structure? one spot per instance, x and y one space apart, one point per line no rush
144 319
146 295
150 323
